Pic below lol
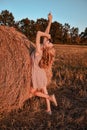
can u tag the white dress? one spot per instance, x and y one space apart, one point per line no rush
39 78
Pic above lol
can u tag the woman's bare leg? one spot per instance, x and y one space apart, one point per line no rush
40 94
45 95
47 100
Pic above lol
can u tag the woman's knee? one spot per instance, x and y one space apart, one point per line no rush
33 90
45 90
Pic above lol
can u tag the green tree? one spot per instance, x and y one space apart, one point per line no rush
56 32
6 18
74 32
27 27
41 24
83 36
65 33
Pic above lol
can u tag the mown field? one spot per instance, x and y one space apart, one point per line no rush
69 84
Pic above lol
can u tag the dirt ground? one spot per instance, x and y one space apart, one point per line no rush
69 84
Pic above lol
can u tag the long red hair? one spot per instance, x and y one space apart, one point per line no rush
46 62
47 57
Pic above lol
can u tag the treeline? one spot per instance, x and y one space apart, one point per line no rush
60 33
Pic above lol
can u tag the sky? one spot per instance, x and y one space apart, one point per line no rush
72 12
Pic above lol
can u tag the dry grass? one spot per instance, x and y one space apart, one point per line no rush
70 67
69 84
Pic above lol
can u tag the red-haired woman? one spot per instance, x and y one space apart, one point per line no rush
42 58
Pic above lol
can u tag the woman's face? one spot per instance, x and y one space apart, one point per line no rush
48 44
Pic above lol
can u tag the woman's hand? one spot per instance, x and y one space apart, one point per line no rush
48 36
50 17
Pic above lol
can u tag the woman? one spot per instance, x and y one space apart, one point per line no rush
42 58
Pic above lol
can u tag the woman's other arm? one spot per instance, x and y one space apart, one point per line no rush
38 37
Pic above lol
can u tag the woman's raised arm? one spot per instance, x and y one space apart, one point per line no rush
48 26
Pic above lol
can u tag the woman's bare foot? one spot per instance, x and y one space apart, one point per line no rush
54 100
49 112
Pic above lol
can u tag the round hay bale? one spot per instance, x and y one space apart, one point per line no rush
14 69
